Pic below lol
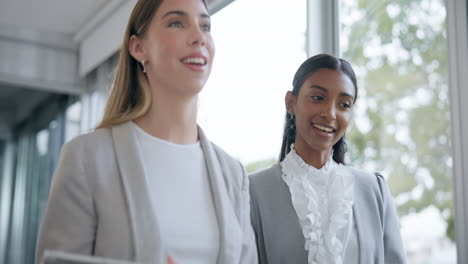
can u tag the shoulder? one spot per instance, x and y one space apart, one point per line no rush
266 181
266 175
94 139
226 160
371 186
233 172
81 158
89 146
364 178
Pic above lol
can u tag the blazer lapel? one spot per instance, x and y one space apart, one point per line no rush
144 225
230 232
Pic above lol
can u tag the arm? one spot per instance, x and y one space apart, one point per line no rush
393 246
249 248
69 221
257 226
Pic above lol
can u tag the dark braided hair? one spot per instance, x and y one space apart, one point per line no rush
307 68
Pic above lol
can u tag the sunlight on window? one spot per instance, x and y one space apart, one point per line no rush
258 50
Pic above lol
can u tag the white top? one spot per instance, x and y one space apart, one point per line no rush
323 200
177 177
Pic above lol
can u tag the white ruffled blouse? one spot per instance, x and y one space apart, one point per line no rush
323 200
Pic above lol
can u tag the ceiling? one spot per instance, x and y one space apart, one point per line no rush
16 104
56 17
61 16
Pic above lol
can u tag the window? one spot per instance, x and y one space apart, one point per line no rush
259 46
402 120
29 161
73 121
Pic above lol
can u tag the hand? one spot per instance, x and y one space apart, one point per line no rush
170 260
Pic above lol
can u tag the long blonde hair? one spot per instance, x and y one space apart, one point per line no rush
130 95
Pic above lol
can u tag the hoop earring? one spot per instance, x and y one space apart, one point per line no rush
143 65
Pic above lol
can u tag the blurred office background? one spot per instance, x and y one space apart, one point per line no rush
57 59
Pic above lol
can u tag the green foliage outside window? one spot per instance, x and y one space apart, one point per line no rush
399 51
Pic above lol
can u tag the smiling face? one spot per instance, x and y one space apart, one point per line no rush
323 109
177 48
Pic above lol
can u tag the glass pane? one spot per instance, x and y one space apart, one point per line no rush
16 246
401 126
6 190
38 166
72 121
43 171
259 45
2 151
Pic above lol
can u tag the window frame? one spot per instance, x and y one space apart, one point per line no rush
457 35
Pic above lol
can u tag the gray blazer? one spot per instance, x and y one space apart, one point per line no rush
99 202
279 234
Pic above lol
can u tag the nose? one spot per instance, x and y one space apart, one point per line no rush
197 37
329 111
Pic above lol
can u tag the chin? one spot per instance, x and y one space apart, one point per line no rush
198 81
197 86
192 90
321 147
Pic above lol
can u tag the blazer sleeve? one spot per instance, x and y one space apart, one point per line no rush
393 245
257 225
69 221
249 247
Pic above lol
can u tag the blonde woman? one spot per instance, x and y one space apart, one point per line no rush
147 183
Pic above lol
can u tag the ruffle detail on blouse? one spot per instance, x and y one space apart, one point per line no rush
323 200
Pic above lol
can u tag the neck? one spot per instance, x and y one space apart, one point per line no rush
171 118
314 158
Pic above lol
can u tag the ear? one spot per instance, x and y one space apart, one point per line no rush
136 49
290 100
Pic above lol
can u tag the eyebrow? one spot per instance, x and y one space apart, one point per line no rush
325 90
182 13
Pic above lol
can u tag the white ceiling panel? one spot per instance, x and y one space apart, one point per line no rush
61 16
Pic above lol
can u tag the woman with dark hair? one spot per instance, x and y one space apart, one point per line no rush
310 207
147 183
